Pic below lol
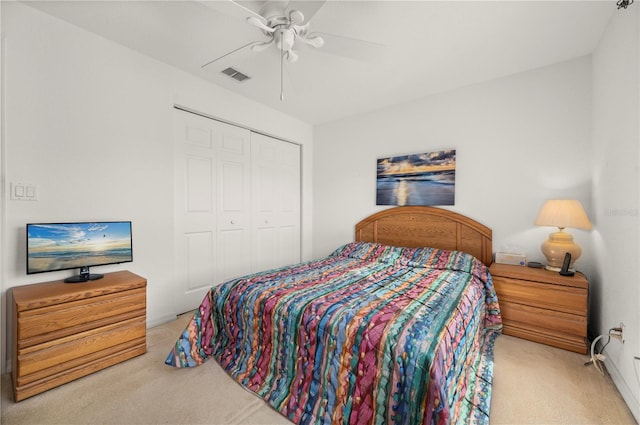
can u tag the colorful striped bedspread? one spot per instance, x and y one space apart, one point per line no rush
371 334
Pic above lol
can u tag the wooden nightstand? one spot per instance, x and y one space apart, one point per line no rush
542 306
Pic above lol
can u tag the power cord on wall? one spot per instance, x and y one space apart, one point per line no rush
598 358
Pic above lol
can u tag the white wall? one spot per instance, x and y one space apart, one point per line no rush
519 141
615 287
90 122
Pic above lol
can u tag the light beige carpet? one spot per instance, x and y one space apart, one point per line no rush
533 384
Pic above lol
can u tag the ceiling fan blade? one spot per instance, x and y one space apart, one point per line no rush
233 9
352 48
251 44
315 41
308 8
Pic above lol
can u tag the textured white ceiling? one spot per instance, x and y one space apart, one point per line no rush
416 48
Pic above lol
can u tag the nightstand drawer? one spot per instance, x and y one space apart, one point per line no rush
556 297
543 319
555 339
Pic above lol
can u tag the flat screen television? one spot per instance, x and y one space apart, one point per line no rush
64 246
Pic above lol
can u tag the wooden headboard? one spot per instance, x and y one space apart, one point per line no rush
427 226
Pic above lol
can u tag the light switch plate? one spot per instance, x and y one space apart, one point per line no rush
23 191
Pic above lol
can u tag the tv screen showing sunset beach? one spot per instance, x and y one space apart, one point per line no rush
62 246
419 179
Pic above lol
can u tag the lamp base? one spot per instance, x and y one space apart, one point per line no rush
552 269
555 248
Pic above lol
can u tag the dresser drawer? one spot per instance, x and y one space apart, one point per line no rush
57 321
55 356
566 299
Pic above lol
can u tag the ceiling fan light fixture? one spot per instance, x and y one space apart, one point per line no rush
284 38
296 17
291 56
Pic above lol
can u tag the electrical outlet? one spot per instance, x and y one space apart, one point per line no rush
618 332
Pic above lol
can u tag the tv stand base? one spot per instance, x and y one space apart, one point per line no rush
79 278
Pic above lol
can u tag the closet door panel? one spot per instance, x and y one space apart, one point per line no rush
275 173
234 253
290 187
264 249
194 210
234 202
290 244
199 251
198 184
212 205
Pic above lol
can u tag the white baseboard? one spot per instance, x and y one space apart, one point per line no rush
623 388
160 320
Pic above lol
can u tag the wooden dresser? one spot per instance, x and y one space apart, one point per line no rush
543 306
63 331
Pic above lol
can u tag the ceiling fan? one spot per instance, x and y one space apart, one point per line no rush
283 26
286 26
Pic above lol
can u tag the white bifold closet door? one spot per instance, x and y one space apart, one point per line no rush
237 204
275 183
212 205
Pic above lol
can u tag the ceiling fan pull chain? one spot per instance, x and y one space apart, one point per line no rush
281 72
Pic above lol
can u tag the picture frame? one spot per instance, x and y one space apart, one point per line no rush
417 179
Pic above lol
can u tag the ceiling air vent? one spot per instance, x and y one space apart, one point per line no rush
235 74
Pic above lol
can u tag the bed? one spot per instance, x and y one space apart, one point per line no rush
395 327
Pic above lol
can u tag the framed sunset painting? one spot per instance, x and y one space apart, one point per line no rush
419 179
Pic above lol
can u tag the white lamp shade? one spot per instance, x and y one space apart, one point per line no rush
563 213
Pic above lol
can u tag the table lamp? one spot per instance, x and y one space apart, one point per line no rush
561 213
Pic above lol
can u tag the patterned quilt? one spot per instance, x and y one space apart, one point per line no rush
371 334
